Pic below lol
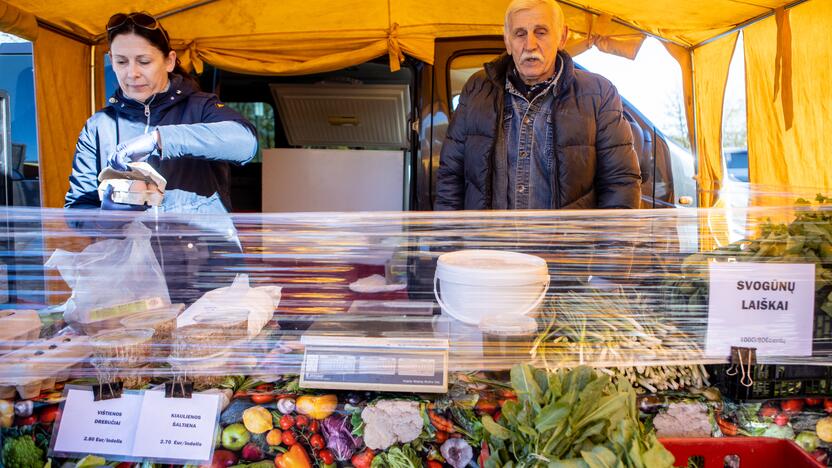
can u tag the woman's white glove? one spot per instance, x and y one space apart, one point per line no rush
137 149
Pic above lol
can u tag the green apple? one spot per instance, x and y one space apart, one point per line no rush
235 436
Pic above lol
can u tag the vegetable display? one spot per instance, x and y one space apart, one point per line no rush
622 332
562 418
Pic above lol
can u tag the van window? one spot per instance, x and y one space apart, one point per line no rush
460 68
261 115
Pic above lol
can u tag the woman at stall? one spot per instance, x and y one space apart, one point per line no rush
159 115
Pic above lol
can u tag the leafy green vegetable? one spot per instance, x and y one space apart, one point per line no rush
568 419
395 457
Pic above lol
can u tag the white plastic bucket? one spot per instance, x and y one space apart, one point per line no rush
480 283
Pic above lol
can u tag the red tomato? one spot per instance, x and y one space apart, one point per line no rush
49 414
814 401
768 412
326 456
317 441
288 438
781 419
264 387
434 464
441 437
301 421
286 422
827 405
314 426
791 406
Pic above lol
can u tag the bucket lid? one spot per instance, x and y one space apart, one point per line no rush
508 325
491 268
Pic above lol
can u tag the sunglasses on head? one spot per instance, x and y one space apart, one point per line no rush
142 20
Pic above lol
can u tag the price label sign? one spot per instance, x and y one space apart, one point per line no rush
105 427
177 429
138 426
768 306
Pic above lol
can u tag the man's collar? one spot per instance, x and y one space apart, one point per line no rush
516 84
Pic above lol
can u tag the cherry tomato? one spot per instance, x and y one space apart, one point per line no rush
301 421
827 405
814 401
286 422
326 456
288 438
317 441
314 426
434 464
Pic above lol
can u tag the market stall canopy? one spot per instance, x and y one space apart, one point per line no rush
292 37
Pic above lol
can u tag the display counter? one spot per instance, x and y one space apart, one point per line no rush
333 324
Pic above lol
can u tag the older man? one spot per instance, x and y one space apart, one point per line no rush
532 132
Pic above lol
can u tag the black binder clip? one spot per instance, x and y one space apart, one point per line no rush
742 361
107 391
179 389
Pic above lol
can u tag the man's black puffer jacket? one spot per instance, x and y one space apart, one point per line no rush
595 163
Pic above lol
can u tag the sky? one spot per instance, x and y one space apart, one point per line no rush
653 82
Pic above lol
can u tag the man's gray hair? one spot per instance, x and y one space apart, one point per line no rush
517 5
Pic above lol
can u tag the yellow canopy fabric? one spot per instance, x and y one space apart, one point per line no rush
292 37
800 154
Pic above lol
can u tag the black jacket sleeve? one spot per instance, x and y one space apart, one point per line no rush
618 177
450 177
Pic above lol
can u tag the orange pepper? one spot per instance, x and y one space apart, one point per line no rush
296 457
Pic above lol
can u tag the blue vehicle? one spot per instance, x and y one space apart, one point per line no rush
20 137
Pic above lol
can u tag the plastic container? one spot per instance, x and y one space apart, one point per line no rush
772 381
122 348
204 340
473 284
508 336
37 367
18 328
751 451
204 372
162 322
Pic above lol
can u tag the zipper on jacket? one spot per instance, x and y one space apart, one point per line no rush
147 113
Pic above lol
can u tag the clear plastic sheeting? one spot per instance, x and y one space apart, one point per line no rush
626 290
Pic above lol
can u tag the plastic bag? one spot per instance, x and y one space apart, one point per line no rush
239 299
110 279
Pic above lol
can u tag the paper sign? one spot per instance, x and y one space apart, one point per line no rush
138 426
177 429
104 427
768 306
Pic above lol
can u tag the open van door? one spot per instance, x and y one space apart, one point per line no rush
662 170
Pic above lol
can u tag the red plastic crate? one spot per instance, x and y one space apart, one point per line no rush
752 451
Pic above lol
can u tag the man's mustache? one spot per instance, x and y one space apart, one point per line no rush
532 56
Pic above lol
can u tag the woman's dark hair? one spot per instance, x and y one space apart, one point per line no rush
134 23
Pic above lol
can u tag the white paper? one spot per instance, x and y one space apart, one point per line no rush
767 306
177 428
138 426
104 427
